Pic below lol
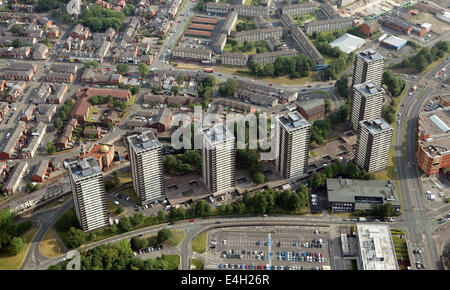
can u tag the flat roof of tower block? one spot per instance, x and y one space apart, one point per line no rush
84 168
144 141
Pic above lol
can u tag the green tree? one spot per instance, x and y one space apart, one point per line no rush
125 224
137 243
51 148
91 63
175 90
143 69
17 29
75 238
16 245
58 123
17 43
161 215
258 177
163 235
122 68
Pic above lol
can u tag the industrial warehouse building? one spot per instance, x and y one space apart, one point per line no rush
394 42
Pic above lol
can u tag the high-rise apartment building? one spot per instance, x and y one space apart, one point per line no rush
145 153
374 141
89 195
293 132
368 67
367 102
218 157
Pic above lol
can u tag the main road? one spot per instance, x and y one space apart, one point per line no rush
413 210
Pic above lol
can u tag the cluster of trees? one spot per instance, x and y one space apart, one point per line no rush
10 232
384 210
336 169
206 89
91 63
337 66
341 86
321 128
122 68
128 9
138 243
118 104
185 163
228 88
133 89
248 159
51 148
393 83
246 46
32 186
426 56
64 110
69 228
326 37
199 209
143 69
116 256
296 66
388 113
113 181
99 19
244 26
271 201
45 5
17 29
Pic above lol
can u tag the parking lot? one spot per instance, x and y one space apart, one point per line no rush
269 248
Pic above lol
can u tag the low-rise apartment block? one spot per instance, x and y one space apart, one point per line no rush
244 10
298 9
328 24
258 34
234 58
270 57
217 8
220 42
306 46
192 54
328 10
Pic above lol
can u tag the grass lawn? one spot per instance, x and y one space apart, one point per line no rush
248 2
285 80
198 264
112 208
130 192
189 66
8 262
172 260
124 178
177 237
50 246
199 243
131 100
57 202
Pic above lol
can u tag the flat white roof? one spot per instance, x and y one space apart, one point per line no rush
376 247
348 42
395 41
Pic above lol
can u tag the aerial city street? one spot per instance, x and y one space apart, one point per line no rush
224 135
